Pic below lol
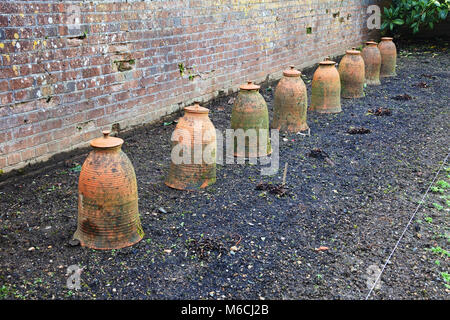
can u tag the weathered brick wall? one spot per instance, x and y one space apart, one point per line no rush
130 62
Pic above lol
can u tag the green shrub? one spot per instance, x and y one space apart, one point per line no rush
414 14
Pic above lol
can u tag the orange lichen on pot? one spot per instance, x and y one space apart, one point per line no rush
290 103
352 74
326 88
194 146
108 216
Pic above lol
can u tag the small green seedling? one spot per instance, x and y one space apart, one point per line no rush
443 184
446 278
442 252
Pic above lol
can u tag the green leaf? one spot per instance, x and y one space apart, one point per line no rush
76 168
398 21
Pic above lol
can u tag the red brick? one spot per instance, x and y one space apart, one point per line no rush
4 85
13 159
2 163
21 83
28 154
91 72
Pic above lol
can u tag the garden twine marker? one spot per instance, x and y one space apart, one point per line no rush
250 114
326 88
108 216
352 74
194 147
290 103
372 63
388 53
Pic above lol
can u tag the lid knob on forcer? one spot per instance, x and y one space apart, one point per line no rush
291 72
106 141
249 86
196 108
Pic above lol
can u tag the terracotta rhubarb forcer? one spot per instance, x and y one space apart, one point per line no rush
290 103
352 74
108 216
372 63
326 88
194 146
388 53
250 112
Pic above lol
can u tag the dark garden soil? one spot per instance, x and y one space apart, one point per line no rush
341 213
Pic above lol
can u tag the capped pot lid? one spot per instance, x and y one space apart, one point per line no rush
327 62
196 108
292 72
106 141
353 51
249 86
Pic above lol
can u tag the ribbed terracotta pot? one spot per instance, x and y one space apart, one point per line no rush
388 53
372 63
108 216
194 146
290 103
326 88
352 75
250 112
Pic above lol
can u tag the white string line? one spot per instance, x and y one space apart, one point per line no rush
407 225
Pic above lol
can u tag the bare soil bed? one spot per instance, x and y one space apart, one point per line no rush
337 221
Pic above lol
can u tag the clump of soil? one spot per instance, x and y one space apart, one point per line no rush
429 76
402 97
205 246
320 154
276 189
421 84
360 130
380 111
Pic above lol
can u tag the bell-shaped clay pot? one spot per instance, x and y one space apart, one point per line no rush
108 216
250 122
388 53
372 63
290 103
352 74
326 88
194 146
